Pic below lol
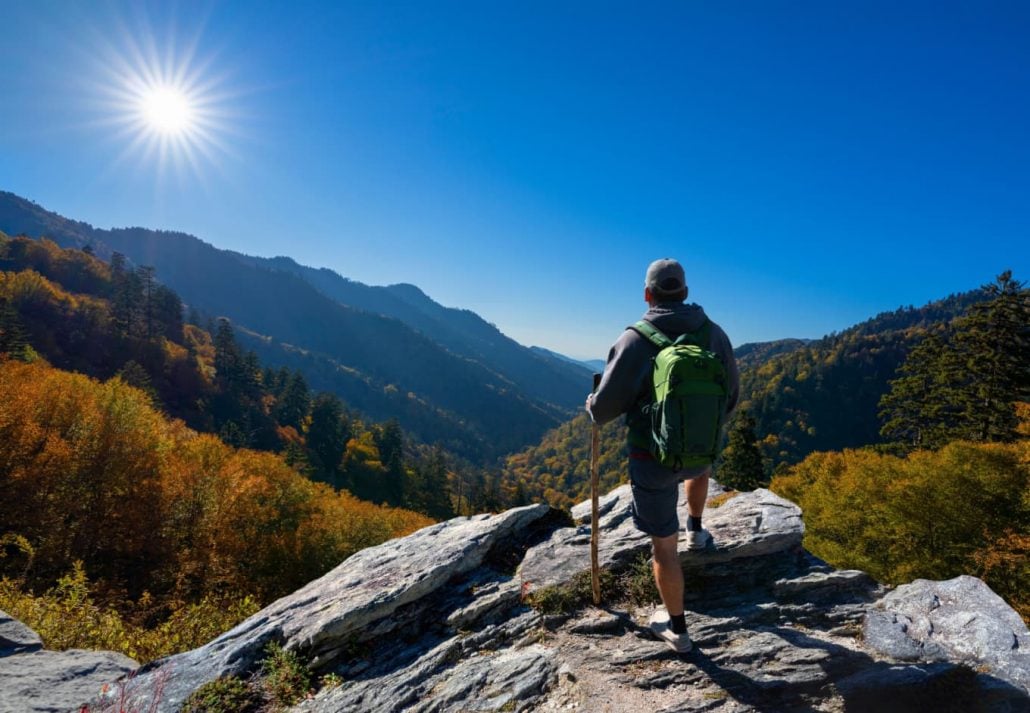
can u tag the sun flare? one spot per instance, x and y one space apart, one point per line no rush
167 110
171 108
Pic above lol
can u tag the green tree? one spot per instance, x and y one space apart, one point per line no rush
920 411
167 313
228 360
135 375
742 466
995 341
966 384
389 439
431 494
294 402
327 435
13 340
148 287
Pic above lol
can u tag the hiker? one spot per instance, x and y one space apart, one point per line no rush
626 388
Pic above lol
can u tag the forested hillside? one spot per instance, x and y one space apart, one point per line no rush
169 524
395 370
124 323
803 395
541 375
124 528
825 395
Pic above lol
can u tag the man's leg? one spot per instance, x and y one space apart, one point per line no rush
697 493
698 538
668 574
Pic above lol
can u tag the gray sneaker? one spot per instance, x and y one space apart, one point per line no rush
698 539
662 628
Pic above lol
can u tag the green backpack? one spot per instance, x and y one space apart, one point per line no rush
688 398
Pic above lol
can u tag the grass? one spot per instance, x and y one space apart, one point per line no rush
722 498
224 695
633 584
283 680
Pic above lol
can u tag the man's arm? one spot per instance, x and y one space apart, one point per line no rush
622 379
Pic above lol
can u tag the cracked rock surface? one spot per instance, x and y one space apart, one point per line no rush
438 621
34 680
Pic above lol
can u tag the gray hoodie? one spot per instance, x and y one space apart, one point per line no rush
627 375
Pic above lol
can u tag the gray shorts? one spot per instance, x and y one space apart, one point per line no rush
656 494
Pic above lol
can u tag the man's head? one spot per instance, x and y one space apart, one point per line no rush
665 282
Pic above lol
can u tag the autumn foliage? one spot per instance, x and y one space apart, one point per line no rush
91 471
964 509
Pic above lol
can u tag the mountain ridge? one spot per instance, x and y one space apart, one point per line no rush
535 394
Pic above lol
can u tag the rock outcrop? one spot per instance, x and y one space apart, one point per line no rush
439 621
34 680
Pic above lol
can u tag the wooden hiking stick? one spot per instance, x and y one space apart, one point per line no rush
595 535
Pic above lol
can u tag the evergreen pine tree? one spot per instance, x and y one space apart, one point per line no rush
920 411
13 340
995 341
147 287
167 313
742 466
294 403
389 440
228 360
133 374
965 385
433 494
327 436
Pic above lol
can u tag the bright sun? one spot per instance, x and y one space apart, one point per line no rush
167 110
170 108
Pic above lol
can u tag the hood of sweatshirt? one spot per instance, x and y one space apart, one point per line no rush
675 318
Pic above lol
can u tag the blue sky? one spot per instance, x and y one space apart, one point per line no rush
810 163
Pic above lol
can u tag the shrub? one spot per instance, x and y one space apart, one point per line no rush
286 679
223 695
68 617
964 509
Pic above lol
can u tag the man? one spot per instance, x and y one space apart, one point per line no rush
624 388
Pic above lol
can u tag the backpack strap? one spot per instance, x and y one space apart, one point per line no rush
652 334
701 337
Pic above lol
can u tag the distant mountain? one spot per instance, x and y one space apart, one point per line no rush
591 365
542 376
825 395
755 354
436 379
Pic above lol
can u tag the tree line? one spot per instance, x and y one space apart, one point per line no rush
122 322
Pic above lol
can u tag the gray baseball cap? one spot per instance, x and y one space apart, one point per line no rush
665 276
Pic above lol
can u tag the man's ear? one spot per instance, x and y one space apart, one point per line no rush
647 295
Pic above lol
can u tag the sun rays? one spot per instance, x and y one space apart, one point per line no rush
169 112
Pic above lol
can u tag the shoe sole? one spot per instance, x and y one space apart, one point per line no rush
694 548
658 635
673 646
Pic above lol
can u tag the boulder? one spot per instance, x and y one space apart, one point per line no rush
16 638
437 622
370 595
960 619
57 681
493 668
750 525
